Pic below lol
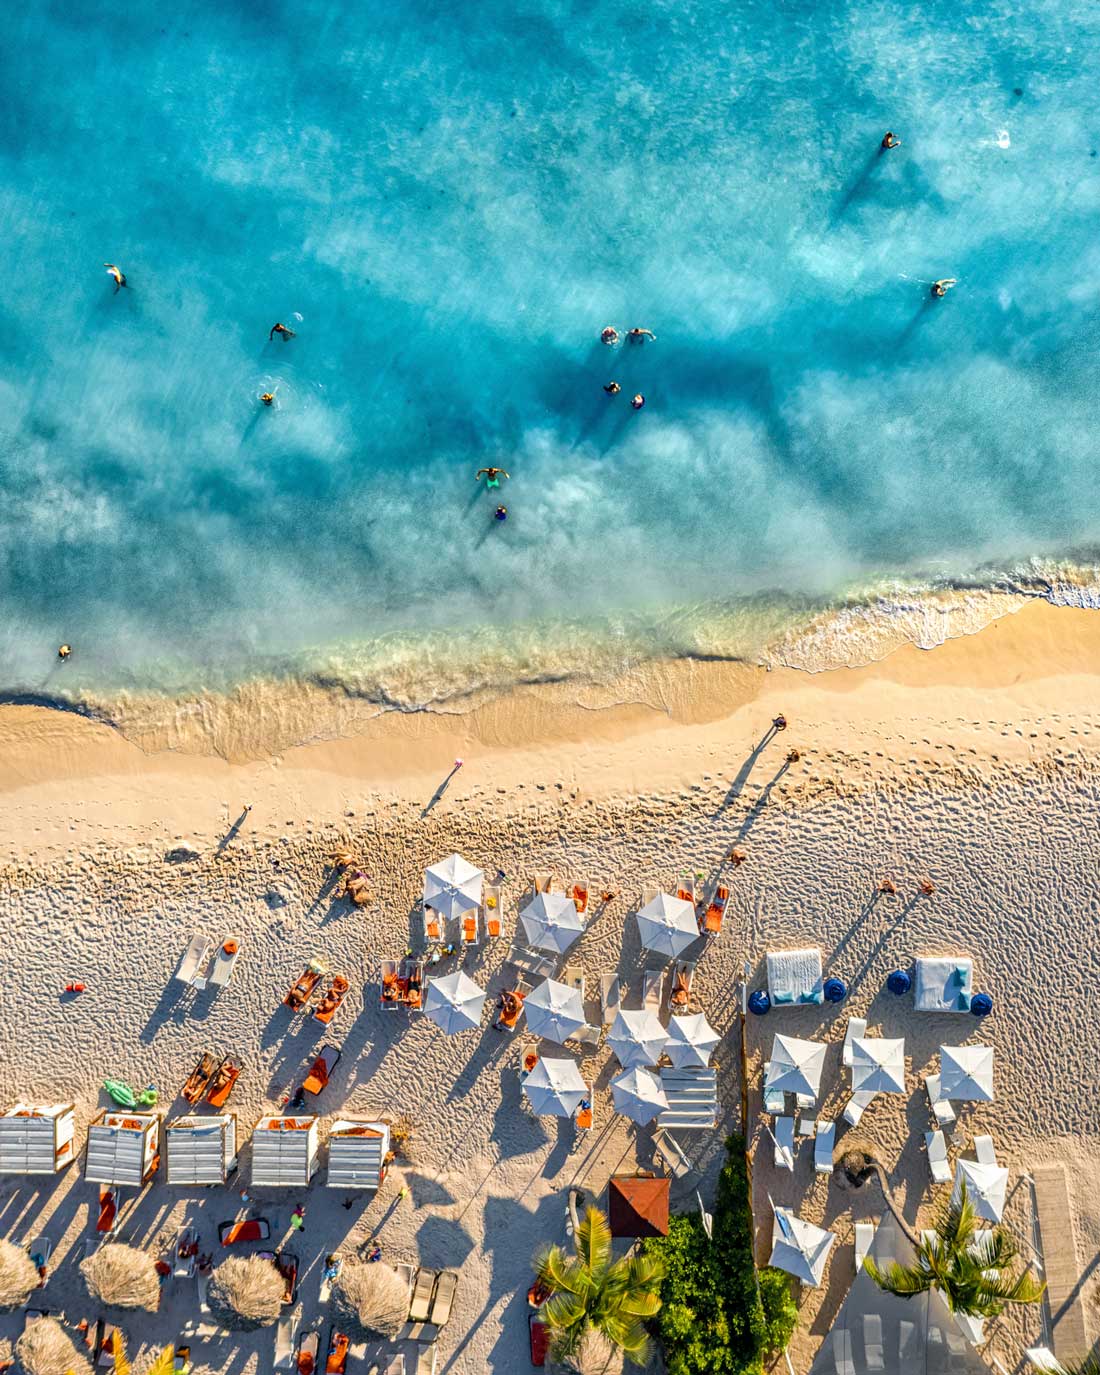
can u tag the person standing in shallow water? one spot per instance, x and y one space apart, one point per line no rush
492 476
612 388
117 274
890 140
609 335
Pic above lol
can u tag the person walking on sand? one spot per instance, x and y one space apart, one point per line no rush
492 476
280 330
298 1218
943 286
639 336
117 274
890 140
779 722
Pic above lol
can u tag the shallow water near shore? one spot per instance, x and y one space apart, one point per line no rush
828 462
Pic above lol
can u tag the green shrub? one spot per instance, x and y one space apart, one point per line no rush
714 1318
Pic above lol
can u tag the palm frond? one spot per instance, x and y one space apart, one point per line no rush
593 1242
559 1271
903 1280
959 1221
995 1250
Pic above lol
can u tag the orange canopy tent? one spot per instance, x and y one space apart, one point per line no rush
638 1207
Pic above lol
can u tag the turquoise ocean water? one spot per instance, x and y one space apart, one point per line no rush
448 202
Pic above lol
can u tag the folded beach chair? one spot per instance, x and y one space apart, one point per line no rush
872 1342
857 1029
679 990
530 962
421 1303
855 1106
225 961
321 1070
247 1229
433 926
492 906
711 922
194 959
653 982
609 997
471 933
284 1341
685 889
775 1100
983 1149
937 1157
865 1236
443 1298
823 1147
942 1110
784 1143
579 894
544 883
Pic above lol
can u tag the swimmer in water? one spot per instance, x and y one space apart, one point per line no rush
492 476
609 335
638 401
501 513
120 277
268 398
638 336
890 140
64 651
942 287
280 330
612 388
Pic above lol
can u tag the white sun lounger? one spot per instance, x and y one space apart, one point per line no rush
225 961
938 1166
284 1340
857 1028
672 1153
855 1106
492 910
872 1342
649 895
775 1100
610 997
823 1147
865 1236
194 959
784 1143
983 1149
653 982
942 1110
588 1035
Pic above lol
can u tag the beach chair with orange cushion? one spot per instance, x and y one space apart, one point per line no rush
579 894
247 1229
491 910
337 992
108 1210
309 1344
685 889
321 1070
716 910
433 926
337 1361
199 1078
511 1005
302 988
221 1085
471 933
583 1117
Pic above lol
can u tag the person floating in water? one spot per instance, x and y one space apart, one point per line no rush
612 388
64 651
492 476
501 513
268 398
638 401
890 140
609 335
943 286
638 336
117 274
280 330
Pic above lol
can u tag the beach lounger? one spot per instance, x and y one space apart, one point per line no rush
194 959
855 1106
225 961
672 1153
983 1149
872 1342
492 910
610 997
309 1346
247 1229
649 894
203 1285
573 976
302 988
337 992
443 1298
841 1341
284 1341
942 1110
544 883
426 1358
588 1036
685 890
711 921
775 1100
471 928
583 1117
653 983
540 1342
579 893
530 962
937 1157
433 926
400 985
222 1081
108 1209
823 1147
857 1029
420 1304
794 976
943 984
511 1006
199 1079
185 1253
784 1143
336 1362
679 989
865 1236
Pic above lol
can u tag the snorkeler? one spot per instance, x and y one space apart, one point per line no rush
943 286
268 398
638 336
890 140
120 277
612 388
492 476
64 651
638 401
609 335
280 330
501 513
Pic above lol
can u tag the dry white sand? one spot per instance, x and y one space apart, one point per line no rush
974 764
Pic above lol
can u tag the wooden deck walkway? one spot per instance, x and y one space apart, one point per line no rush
1063 1275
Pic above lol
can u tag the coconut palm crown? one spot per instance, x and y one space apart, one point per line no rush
970 1268
592 1291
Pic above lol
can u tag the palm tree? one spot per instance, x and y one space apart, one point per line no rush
592 1292
971 1272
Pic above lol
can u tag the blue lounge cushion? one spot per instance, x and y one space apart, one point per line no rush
784 997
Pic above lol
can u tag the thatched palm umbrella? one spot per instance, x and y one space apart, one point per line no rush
374 1296
122 1277
18 1275
45 1348
247 1292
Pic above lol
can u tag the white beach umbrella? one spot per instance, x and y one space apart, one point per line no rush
555 1088
967 1072
800 1248
986 1187
668 925
637 1038
554 1010
638 1095
452 886
878 1065
690 1040
552 922
454 1003
796 1066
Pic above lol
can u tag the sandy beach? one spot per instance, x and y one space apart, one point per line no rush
974 765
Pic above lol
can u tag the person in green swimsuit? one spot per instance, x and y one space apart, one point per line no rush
492 476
